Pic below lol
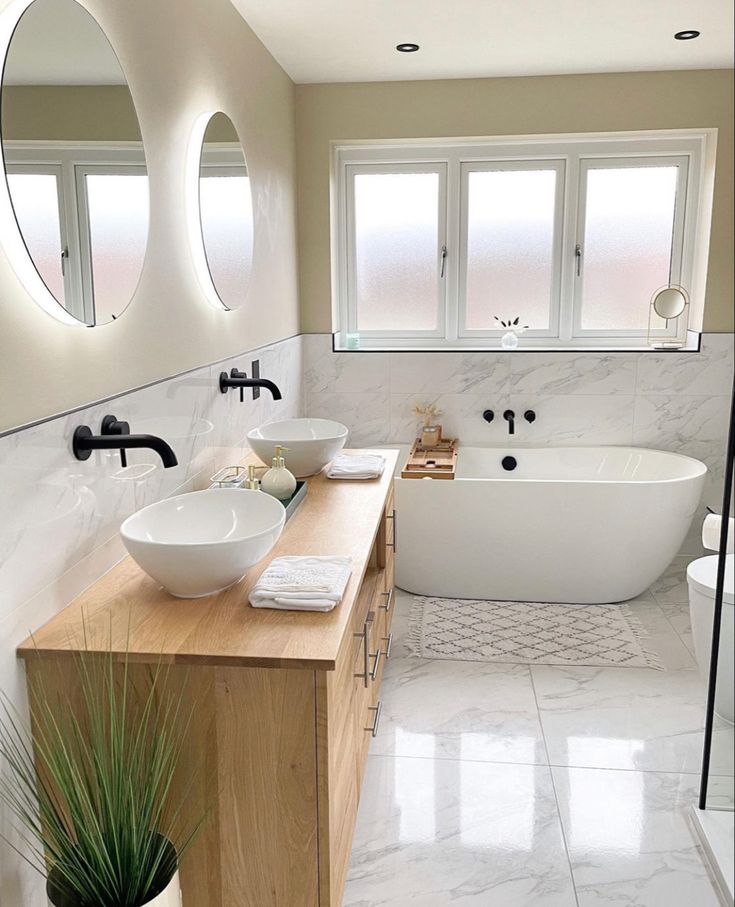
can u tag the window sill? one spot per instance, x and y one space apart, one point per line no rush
692 345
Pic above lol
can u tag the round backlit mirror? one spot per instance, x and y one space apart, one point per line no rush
669 302
74 163
226 211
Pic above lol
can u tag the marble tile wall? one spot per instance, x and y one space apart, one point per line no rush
673 401
60 517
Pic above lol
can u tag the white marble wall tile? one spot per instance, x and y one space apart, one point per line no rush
329 372
707 373
450 373
691 425
572 373
461 418
367 415
574 419
57 510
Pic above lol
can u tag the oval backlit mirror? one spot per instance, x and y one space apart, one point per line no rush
669 302
226 211
74 162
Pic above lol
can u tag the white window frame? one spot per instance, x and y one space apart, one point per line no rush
571 155
558 167
354 170
72 161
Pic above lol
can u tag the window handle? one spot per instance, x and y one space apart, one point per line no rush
578 256
64 257
444 262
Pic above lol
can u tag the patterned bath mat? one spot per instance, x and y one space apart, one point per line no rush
528 633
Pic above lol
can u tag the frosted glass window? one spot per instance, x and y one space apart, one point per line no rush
227 227
627 245
510 247
36 202
117 205
397 251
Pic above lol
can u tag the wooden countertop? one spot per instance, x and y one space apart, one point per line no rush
128 611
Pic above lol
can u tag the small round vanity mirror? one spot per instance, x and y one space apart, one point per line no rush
74 164
226 211
669 302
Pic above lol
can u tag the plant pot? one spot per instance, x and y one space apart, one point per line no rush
509 340
169 897
431 435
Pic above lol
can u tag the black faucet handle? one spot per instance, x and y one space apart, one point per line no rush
236 373
488 415
111 425
529 415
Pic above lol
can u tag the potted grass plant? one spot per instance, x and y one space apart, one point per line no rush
91 786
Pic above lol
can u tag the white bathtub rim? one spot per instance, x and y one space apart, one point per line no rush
699 469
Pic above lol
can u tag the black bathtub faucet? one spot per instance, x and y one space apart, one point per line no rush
510 418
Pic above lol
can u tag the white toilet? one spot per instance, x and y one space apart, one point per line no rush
702 580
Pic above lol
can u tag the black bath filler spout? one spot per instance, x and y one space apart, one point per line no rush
115 435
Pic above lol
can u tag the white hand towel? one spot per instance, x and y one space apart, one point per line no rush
302 583
357 466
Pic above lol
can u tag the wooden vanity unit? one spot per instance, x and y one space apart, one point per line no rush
284 702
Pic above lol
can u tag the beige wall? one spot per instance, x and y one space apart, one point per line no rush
517 106
79 113
182 58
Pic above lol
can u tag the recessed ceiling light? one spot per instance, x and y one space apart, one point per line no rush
687 35
407 48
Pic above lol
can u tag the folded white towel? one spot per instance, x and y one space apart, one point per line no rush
357 466
302 583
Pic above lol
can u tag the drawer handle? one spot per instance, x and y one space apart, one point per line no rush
392 516
376 667
364 676
378 709
389 647
389 600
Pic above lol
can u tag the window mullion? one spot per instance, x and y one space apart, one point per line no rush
567 299
452 234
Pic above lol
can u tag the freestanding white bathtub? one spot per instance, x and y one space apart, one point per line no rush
567 524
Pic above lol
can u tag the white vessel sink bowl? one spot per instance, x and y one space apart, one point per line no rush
200 543
312 443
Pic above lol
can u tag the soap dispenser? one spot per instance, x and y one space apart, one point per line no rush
278 481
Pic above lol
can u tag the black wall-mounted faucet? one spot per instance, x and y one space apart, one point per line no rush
115 435
510 418
240 380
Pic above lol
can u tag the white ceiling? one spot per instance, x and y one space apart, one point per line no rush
354 40
57 42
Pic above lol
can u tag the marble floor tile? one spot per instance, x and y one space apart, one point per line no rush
622 718
672 588
662 637
459 710
677 614
435 832
629 839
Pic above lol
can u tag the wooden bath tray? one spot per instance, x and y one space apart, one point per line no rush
437 462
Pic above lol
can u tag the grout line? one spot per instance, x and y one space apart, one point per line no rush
554 789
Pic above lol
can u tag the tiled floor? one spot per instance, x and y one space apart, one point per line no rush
495 785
